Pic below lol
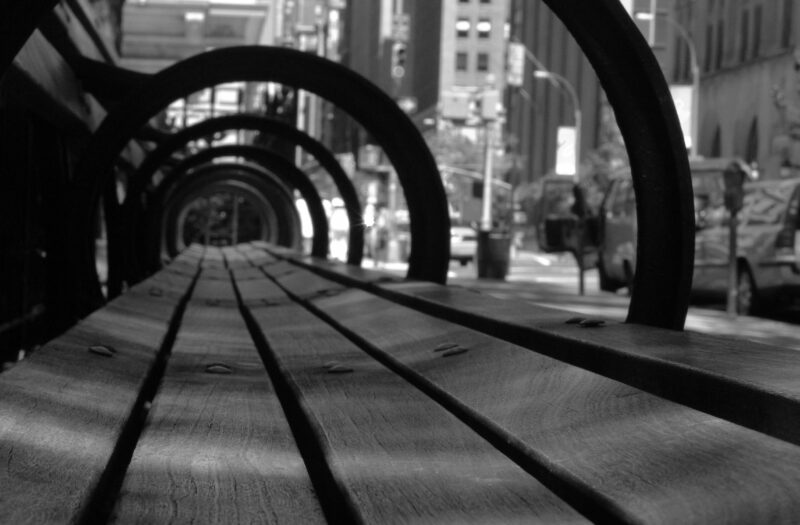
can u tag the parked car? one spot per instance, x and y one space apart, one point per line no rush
463 244
768 248
768 238
617 229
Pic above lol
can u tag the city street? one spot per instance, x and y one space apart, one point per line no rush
552 280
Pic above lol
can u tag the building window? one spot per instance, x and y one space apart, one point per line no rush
463 26
677 66
744 35
484 28
709 50
756 31
751 151
461 61
483 62
716 143
786 28
687 62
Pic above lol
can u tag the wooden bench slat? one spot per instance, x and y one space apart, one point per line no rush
234 257
650 457
218 448
400 456
64 409
749 383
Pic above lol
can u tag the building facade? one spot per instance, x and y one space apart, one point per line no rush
540 106
748 62
473 44
450 45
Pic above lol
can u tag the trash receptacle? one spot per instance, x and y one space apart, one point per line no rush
493 254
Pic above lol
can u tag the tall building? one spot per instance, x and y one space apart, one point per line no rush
473 45
447 45
540 106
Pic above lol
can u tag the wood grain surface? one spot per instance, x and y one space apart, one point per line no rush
63 409
749 383
217 448
258 291
399 455
653 460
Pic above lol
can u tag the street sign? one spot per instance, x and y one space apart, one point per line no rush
401 27
565 150
515 73
455 105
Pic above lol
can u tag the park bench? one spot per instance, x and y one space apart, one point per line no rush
255 384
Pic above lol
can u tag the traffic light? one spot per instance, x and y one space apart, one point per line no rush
398 60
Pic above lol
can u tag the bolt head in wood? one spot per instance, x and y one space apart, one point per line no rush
444 346
455 351
339 369
102 350
218 368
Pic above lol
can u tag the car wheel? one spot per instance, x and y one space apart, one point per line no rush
746 293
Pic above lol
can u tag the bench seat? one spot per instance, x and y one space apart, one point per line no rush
253 384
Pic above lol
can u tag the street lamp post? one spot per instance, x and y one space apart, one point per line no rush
684 34
565 84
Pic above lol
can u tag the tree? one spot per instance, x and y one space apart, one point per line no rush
452 148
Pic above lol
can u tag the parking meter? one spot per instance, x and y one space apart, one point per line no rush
733 178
